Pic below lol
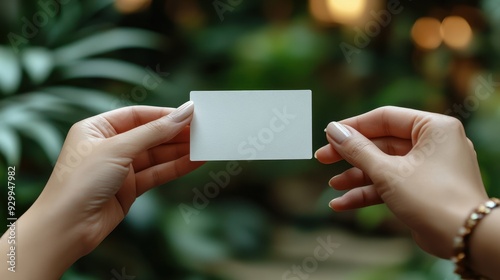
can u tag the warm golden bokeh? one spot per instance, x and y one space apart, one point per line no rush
65 61
319 11
131 6
426 33
456 32
346 11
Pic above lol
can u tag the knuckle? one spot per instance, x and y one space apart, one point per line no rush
443 125
390 147
471 144
451 124
356 149
384 109
387 108
154 126
77 126
471 147
156 177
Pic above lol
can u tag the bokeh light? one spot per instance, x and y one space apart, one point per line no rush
456 32
354 55
346 11
186 13
426 33
319 11
131 6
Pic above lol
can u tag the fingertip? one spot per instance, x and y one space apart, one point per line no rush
337 132
336 204
327 155
331 181
183 112
331 204
358 151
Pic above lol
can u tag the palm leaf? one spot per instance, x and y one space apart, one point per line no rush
111 69
45 134
10 145
70 17
92 100
108 41
38 63
10 71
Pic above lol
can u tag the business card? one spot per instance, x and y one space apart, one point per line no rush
251 125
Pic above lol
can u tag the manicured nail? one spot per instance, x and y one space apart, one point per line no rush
337 132
182 112
331 203
330 181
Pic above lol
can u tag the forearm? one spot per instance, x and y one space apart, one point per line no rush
485 246
43 249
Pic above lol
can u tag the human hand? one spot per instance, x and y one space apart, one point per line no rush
420 164
132 150
107 161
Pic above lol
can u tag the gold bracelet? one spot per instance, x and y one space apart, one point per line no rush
461 242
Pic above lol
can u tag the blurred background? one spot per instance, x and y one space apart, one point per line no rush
62 61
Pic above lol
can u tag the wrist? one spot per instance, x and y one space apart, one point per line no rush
473 246
444 221
44 247
484 248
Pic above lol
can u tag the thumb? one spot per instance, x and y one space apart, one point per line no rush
158 131
354 147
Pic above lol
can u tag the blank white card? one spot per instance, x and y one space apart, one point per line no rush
251 125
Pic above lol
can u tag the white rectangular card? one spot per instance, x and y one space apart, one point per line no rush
251 125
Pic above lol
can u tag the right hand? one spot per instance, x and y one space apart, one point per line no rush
420 164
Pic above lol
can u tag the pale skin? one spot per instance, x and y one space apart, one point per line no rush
133 150
424 168
137 148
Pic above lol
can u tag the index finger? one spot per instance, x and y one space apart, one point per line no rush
387 121
127 118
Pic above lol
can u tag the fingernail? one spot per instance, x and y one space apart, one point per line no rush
337 132
316 155
182 112
330 181
331 203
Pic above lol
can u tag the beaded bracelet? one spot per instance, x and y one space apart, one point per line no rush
461 242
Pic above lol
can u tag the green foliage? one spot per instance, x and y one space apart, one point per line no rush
373 216
85 60
48 80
